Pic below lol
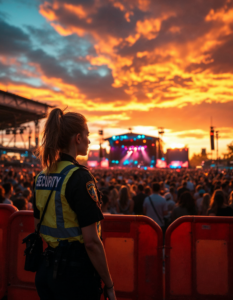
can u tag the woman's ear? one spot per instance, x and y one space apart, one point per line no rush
78 138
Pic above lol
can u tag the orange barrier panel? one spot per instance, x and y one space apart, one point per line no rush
6 211
133 246
199 258
21 283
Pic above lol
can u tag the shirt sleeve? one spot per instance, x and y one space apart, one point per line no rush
82 197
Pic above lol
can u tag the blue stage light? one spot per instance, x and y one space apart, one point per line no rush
143 136
163 158
114 137
145 168
135 162
122 146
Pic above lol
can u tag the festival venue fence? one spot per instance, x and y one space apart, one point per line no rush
198 257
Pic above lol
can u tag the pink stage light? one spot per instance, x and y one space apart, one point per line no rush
135 148
142 148
92 163
161 164
104 164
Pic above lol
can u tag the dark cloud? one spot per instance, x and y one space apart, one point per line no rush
49 65
99 88
14 40
220 59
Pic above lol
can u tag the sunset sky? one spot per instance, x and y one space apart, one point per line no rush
130 63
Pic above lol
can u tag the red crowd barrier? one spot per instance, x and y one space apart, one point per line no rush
133 246
21 283
199 258
6 211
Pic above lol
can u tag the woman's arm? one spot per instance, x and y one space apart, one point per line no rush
96 253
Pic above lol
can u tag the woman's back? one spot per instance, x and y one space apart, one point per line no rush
126 209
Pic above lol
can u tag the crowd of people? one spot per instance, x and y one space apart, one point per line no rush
163 195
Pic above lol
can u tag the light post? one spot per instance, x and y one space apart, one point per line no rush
101 133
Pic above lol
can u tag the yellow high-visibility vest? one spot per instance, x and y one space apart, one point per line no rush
60 221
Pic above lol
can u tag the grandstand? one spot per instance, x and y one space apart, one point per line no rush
16 111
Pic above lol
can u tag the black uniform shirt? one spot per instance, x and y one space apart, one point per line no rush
88 211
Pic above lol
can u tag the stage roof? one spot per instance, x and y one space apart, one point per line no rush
130 135
16 110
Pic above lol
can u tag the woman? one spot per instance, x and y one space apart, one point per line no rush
105 205
124 205
205 204
2 195
231 200
185 206
113 196
75 261
218 206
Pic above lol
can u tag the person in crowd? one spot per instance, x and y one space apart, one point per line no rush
105 205
172 191
2 195
19 184
125 205
218 206
170 206
226 189
182 189
148 190
113 197
155 206
102 186
21 203
138 200
231 200
8 187
27 195
205 204
199 200
189 185
185 206
196 194
11 177
170 202
133 190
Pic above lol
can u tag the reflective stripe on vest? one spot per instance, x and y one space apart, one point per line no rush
61 232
